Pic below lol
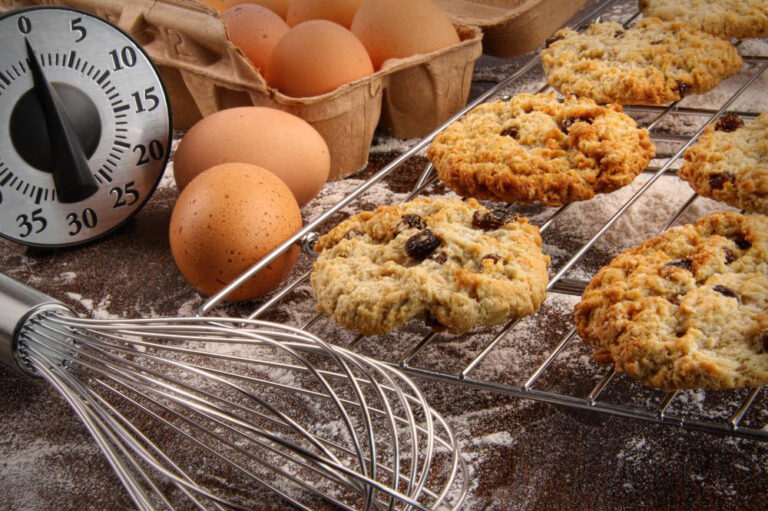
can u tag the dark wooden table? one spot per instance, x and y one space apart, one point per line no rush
523 454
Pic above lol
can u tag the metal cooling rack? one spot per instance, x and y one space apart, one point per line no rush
597 398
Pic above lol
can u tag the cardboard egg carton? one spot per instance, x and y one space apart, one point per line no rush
511 27
204 73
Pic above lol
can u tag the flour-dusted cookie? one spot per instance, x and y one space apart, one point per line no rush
651 63
536 148
686 309
729 163
455 264
723 18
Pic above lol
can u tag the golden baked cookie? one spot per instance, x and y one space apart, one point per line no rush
741 19
454 264
653 62
536 148
729 163
686 309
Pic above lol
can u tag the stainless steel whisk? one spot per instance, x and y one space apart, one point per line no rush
211 413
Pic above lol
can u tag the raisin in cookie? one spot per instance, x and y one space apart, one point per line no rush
686 309
723 18
651 63
535 148
455 264
729 163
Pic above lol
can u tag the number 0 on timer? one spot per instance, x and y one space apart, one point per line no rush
86 127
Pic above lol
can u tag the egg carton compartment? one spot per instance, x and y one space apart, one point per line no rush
511 27
204 73
541 357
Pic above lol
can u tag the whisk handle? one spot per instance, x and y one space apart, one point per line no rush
19 303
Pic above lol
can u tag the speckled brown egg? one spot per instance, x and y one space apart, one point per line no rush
284 144
279 7
225 221
316 57
255 30
400 28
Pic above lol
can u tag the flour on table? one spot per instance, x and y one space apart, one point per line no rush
67 277
96 310
636 449
387 144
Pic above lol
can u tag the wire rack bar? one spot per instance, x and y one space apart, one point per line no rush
687 111
572 287
488 349
426 340
546 225
558 349
355 341
666 403
600 387
585 404
278 297
737 417
312 321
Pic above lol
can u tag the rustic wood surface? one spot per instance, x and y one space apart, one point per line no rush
524 455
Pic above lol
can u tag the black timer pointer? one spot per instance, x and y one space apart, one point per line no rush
72 176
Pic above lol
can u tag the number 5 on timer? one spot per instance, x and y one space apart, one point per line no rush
86 128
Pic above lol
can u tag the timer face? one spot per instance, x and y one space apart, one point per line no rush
77 162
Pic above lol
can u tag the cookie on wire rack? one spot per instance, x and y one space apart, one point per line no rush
535 147
727 19
686 309
452 263
729 163
651 63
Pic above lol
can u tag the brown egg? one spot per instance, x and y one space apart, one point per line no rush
401 28
316 57
255 30
282 143
339 11
279 7
225 221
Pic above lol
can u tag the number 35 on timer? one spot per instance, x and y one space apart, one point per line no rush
86 128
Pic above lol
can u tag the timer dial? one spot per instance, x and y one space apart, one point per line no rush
87 127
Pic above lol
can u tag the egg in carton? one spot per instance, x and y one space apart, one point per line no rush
204 73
